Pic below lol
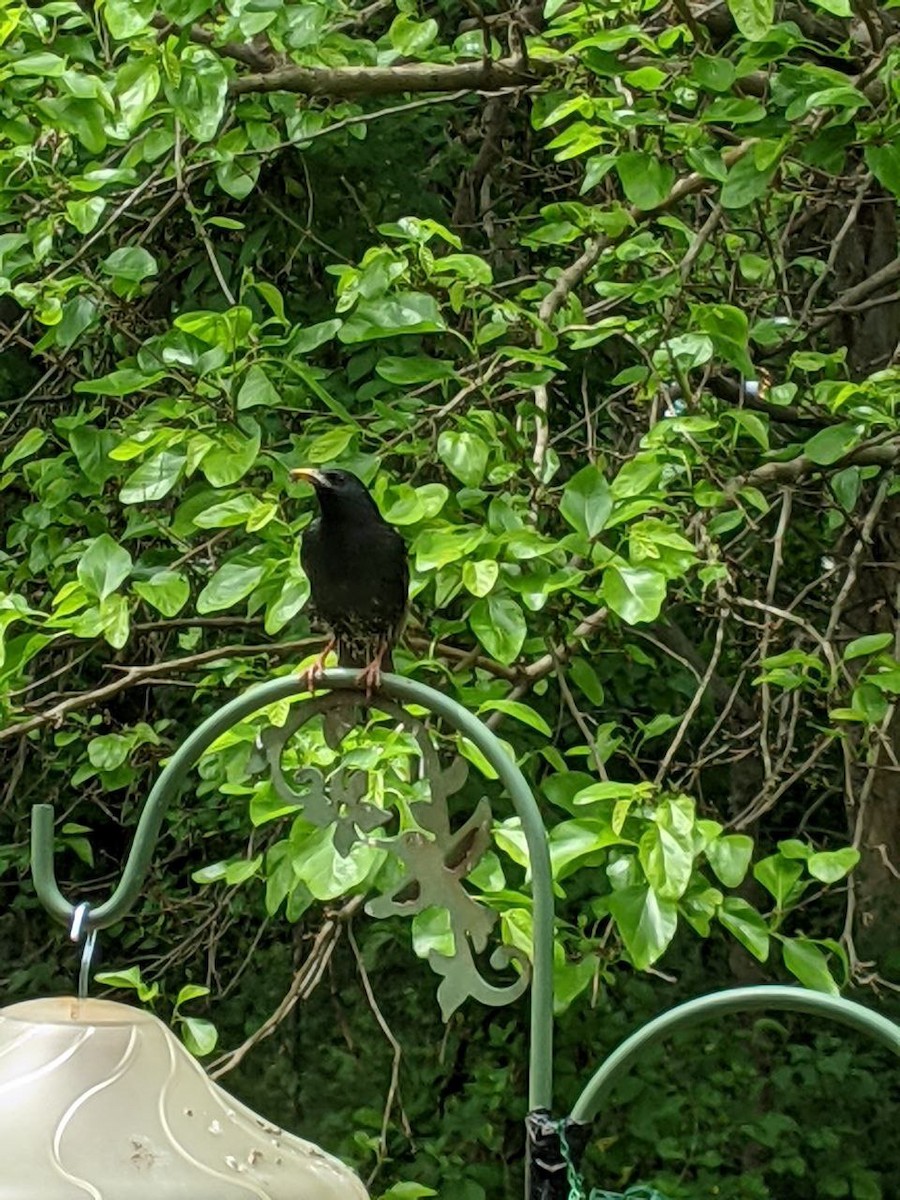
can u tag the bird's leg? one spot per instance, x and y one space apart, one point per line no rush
371 674
314 673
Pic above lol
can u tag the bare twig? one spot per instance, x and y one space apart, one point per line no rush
695 702
774 568
396 1048
305 981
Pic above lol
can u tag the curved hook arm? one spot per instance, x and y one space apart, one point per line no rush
749 999
171 781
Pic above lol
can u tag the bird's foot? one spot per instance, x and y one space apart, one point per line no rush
371 674
371 677
312 675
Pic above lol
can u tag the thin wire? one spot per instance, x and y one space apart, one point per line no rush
79 920
85 970
574 1180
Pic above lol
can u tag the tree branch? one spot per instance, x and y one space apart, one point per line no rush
871 454
389 81
134 675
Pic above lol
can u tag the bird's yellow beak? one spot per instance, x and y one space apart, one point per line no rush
309 475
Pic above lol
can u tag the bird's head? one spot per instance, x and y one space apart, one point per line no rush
336 490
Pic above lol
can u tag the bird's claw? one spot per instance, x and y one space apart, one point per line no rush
312 674
371 677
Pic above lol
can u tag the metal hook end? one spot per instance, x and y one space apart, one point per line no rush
79 914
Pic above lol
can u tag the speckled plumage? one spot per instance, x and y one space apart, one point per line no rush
357 570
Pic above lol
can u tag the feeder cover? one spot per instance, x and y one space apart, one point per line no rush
100 1100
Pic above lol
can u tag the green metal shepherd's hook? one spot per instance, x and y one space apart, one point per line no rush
570 1135
172 780
549 1160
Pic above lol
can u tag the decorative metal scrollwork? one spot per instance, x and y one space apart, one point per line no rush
436 857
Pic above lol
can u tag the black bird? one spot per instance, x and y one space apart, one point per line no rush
358 575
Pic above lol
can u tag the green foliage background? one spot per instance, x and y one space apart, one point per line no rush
526 271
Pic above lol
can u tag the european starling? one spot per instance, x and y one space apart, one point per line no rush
358 575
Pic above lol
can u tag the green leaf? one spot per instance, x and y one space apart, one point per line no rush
114 620
666 848
729 856
436 548
406 312
587 501
84 214
42 63
746 183
745 923
646 922
130 263
29 443
648 79
305 341
586 680
794 848
686 350
646 178
199 97
465 454
832 443
190 991
667 862
257 389
119 383
292 597
228 514
521 712
78 315
634 593
807 963
330 445
861 647
753 17
410 37
231 458
137 85
103 566
407 1191
884 163
230 584
242 869
468 267
328 874
129 978
831 865
154 478
126 18
480 576
730 331
198 1035
417 368
109 751
499 625
778 875
579 842
166 591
